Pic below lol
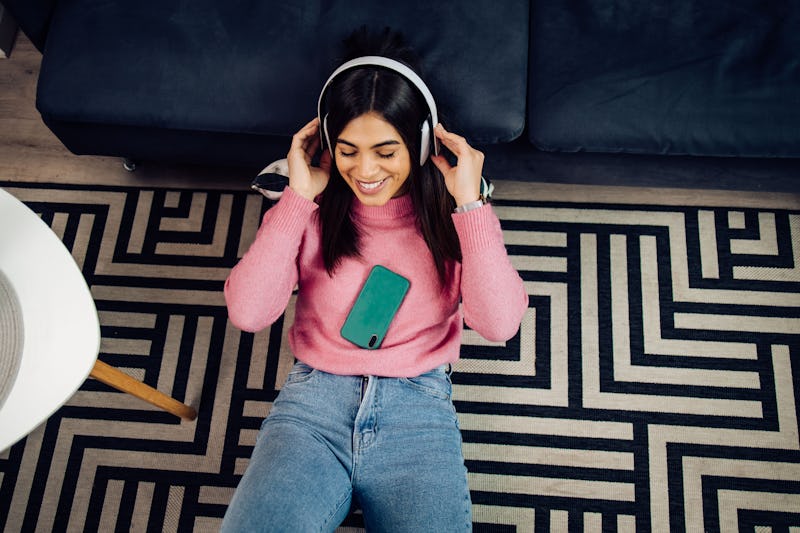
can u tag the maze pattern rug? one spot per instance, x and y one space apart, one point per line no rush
652 386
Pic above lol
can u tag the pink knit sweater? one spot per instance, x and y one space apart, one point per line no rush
425 333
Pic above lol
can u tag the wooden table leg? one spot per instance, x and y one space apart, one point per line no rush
114 377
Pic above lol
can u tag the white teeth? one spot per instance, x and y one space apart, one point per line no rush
370 186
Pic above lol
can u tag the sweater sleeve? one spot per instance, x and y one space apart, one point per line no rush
258 288
492 293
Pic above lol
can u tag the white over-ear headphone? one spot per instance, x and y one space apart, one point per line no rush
426 128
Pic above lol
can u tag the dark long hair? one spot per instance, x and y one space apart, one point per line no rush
378 90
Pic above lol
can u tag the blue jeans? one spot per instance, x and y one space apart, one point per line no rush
392 445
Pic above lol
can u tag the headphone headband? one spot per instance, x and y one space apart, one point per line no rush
405 72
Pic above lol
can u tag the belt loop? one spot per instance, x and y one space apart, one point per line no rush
449 370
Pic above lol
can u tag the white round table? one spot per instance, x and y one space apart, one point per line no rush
61 331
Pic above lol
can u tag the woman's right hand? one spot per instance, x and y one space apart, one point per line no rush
305 180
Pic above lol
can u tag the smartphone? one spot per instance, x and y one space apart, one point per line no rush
375 307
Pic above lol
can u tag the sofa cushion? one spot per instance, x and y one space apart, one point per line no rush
666 76
249 67
33 17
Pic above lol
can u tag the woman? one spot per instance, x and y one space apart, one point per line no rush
372 426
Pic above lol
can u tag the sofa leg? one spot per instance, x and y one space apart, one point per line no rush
129 164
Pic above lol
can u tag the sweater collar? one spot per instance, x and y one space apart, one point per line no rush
394 208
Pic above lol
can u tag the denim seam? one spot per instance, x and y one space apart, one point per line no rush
428 391
337 507
299 377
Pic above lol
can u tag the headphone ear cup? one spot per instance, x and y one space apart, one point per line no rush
424 142
325 138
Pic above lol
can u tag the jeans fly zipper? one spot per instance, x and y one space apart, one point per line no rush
364 384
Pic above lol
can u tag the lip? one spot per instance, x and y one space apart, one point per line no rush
367 187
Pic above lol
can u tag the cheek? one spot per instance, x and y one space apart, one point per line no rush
402 167
402 179
344 165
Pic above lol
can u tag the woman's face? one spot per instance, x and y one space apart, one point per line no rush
373 159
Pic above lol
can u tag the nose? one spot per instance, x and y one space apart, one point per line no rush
367 167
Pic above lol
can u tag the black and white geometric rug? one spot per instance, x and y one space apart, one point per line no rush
653 385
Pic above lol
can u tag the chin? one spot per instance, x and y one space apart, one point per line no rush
373 201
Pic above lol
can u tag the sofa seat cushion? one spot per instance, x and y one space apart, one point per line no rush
250 67
666 76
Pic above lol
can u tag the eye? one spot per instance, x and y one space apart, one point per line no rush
387 156
346 154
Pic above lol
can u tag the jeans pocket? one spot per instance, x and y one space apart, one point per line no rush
299 373
435 383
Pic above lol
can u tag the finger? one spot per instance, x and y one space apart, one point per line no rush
455 143
298 142
325 161
312 128
307 131
311 144
441 163
443 134
312 124
304 150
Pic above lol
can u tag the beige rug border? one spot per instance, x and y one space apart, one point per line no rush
517 190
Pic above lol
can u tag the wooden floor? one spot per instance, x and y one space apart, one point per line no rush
29 152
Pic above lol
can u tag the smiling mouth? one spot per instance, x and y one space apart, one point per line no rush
371 186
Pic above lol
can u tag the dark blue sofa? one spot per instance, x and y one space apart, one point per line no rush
227 82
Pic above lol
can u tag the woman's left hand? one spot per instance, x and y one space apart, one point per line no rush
463 181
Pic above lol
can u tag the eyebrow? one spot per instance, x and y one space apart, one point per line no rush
379 145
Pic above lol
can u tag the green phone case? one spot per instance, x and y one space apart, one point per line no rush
375 307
